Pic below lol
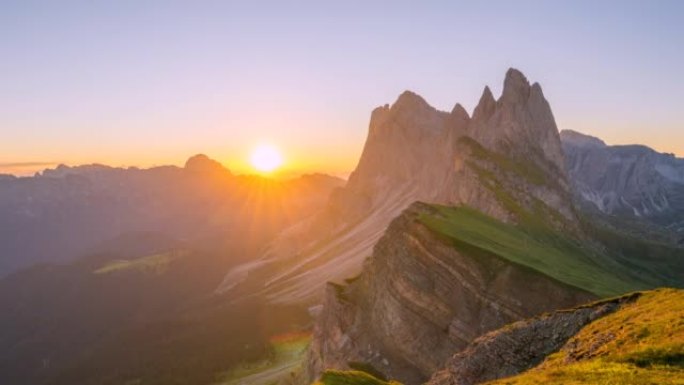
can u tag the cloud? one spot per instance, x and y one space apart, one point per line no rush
26 164
25 168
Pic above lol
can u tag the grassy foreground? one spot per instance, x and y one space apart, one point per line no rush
350 377
642 343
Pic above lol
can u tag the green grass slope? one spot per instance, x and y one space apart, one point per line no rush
542 249
351 377
642 343
156 263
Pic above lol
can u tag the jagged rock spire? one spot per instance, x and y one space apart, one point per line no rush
486 106
516 87
409 99
458 112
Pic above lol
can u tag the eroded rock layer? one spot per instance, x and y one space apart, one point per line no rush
419 300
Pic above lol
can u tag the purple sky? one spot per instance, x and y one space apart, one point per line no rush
153 82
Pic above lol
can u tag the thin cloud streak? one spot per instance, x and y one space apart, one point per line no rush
27 164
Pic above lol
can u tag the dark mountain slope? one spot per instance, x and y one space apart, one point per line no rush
119 317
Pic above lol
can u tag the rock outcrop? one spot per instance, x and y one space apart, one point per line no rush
419 300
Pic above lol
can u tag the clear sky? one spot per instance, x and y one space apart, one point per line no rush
153 82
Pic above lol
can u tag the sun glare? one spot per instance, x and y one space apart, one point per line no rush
266 158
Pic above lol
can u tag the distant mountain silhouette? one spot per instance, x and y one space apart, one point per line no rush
60 213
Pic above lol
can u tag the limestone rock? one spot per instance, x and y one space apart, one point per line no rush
419 300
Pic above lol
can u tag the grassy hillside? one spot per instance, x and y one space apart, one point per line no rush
351 377
540 249
656 259
156 263
642 343
648 346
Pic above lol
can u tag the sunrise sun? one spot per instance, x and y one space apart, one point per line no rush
266 158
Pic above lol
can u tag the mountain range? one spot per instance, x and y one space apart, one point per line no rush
633 184
67 212
463 248
93 256
501 237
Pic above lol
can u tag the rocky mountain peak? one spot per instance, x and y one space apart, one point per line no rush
486 106
202 164
402 141
410 100
415 152
582 140
520 124
627 181
458 112
516 88
459 118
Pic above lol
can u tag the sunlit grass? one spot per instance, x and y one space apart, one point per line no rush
156 263
543 250
598 372
287 355
643 343
350 377
649 331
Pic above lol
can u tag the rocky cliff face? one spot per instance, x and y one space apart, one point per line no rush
626 181
504 161
632 339
419 300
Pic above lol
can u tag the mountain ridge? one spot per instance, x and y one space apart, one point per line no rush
627 182
499 238
415 152
101 202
